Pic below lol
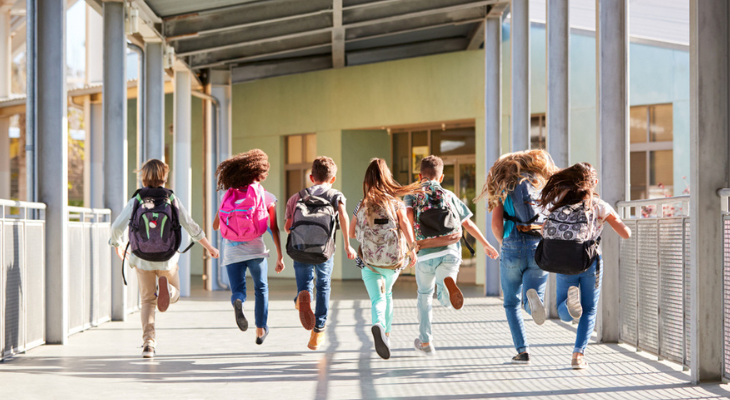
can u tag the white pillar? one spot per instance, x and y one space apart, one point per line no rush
182 170
94 47
520 39
709 126
53 161
114 104
613 130
96 155
5 75
493 125
155 101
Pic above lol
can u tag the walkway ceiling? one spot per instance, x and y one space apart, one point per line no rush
261 39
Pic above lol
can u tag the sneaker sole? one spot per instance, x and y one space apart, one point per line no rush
148 356
574 307
419 350
455 296
521 362
163 295
381 347
585 366
537 309
306 316
241 320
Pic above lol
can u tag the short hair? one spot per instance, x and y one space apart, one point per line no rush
243 169
323 169
432 167
154 173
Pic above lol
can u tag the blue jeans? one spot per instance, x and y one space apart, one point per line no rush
427 273
305 276
589 284
518 273
237 280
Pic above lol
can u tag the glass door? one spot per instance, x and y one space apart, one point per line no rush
460 177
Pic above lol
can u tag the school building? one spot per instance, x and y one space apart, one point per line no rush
637 88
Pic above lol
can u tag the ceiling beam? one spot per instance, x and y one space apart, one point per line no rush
338 35
406 51
423 13
476 37
292 52
270 69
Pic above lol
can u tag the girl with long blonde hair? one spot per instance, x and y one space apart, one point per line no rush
387 244
513 189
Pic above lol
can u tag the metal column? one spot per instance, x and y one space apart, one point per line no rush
5 73
493 124
114 103
613 129
182 171
154 101
52 149
520 39
709 125
96 155
558 102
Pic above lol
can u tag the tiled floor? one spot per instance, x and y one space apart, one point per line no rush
202 355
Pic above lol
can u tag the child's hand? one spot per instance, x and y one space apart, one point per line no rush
213 252
491 251
120 252
351 254
279 265
413 257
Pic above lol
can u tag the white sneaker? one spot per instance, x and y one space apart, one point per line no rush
428 351
148 351
537 309
573 302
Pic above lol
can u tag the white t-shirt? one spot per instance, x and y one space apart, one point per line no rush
234 252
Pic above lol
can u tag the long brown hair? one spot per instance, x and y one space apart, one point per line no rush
569 186
513 168
379 188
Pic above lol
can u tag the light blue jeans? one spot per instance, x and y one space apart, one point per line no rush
428 273
518 273
589 284
381 301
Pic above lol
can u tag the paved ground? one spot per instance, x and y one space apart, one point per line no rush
202 355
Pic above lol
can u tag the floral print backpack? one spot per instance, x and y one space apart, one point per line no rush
382 244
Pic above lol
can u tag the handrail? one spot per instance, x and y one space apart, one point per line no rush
724 200
624 207
22 204
100 211
725 192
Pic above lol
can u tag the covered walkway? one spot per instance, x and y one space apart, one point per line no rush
202 354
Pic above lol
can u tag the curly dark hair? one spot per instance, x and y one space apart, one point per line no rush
242 169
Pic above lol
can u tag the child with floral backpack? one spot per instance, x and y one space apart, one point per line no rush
387 245
247 212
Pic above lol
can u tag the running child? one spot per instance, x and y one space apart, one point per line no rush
387 245
154 216
247 212
312 218
513 189
436 212
570 246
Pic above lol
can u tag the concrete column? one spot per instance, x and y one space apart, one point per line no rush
5 75
94 46
493 125
4 158
155 101
182 172
612 33
52 149
114 107
520 39
96 155
558 102
709 101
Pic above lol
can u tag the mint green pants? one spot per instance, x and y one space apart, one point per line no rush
381 299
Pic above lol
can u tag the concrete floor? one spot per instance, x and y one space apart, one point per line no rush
201 354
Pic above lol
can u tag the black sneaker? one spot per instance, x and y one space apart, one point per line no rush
381 342
522 358
241 320
260 340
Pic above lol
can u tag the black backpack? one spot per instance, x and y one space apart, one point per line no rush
567 246
435 216
154 227
314 223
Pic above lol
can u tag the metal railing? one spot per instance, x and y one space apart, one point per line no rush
90 264
725 215
22 276
654 273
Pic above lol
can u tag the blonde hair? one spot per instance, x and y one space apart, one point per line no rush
154 173
512 169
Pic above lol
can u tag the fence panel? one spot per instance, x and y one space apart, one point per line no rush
627 276
648 273
671 298
725 212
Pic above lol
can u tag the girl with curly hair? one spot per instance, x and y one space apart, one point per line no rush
237 173
512 189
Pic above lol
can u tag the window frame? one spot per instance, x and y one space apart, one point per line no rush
648 146
303 166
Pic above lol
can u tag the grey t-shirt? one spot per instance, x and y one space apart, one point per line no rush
234 252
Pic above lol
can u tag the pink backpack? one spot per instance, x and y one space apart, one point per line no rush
243 215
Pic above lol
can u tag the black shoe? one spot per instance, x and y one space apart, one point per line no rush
522 358
381 342
241 320
260 340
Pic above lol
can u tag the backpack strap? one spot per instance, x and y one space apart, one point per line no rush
123 260
466 243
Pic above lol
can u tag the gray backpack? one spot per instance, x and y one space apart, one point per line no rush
314 223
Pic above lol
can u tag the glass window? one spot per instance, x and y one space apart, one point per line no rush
452 142
400 158
661 173
638 175
538 132
419 150
661 129
652 157
301 150
294 149
311 147
638 124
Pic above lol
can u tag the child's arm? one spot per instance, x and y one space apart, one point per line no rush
118 227
212 250
216 222
618 226
498 223
353 223
345 227
407 228
274 226
473 230
287 225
